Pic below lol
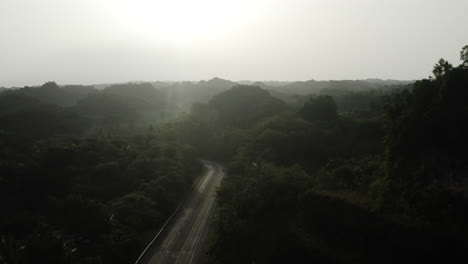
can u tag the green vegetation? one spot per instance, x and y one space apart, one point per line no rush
75 187
100 194
384 183
329 172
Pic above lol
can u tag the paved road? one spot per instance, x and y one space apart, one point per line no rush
183 240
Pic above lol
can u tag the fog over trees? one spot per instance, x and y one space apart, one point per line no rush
326 171
233 132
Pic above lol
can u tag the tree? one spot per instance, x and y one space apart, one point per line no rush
320 108
50 85
441 68
464 56
243 105
136 211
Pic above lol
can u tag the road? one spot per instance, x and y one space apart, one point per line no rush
183 238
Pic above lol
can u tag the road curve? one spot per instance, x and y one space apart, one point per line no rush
183 240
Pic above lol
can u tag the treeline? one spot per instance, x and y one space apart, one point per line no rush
316 184
122 108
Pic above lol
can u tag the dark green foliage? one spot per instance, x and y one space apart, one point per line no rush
39 121
107 108
218 128
242 106
143 92
335 177
319 87
355 202
255 196
270 214
359 104
12 102
182 95
97 194
426 139
25 114
136 211
80 215
125 107
366 104
80 91
442 68
44 248
464 56
51 93
289 140
322 108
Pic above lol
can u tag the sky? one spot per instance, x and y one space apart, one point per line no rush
104 41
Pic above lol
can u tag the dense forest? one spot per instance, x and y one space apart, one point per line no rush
363 171
81 181
381 184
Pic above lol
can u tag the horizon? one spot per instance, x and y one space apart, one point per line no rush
171 82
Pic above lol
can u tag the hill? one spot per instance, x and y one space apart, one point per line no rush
51 93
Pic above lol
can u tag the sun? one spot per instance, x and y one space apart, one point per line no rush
182 19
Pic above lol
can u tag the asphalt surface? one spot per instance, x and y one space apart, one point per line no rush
183 240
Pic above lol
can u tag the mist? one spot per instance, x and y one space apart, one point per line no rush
231 132
105 41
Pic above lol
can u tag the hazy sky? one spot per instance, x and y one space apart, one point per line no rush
95 41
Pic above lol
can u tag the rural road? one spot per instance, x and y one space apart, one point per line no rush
182 240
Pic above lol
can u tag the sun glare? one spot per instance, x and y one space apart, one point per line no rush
182 19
